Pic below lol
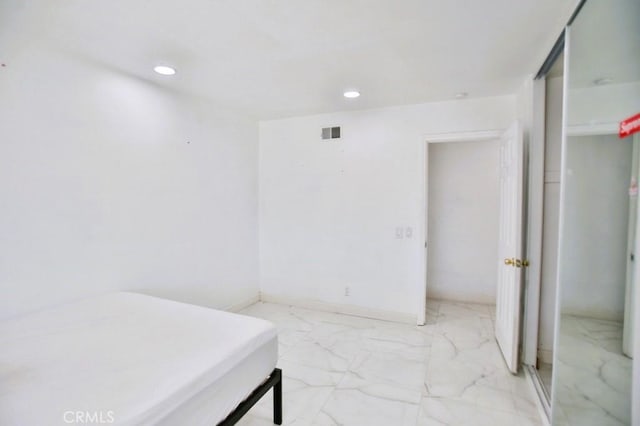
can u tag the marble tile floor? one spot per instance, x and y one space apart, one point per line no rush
344 370
593 383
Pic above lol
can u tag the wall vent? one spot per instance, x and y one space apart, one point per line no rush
331 133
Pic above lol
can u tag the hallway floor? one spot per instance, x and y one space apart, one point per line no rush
344 370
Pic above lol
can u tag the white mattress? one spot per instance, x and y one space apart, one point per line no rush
132 359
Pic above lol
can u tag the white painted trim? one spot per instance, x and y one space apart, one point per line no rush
552 177
635 391
592 129
536 177
563 190
632 243
474 136
237 307
422 304
480 135
353 310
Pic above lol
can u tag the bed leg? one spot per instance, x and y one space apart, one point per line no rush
277 398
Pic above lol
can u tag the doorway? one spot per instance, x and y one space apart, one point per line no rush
462 220
464 200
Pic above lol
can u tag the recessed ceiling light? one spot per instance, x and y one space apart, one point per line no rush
164 70
351 94
602 81
461 95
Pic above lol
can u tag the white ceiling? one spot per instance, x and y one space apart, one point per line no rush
278 58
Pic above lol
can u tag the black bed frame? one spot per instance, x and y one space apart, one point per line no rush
273 381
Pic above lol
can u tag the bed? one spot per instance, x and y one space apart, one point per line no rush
132 359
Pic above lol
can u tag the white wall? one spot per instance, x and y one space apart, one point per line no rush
110 182
463 220
329 209
552 171
608 104
594 259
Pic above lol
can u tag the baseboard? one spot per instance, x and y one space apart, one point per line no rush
545 355
445 298
356 311
237 307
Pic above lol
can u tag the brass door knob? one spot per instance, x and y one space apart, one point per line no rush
509 262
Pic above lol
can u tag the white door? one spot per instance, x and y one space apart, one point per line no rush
510 262
632 253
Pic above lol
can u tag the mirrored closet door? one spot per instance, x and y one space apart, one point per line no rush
597 260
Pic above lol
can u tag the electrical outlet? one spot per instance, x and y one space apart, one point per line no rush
347 291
